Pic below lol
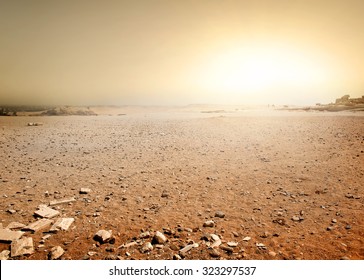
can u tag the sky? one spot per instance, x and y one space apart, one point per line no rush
179 52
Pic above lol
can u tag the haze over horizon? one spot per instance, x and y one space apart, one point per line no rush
160 52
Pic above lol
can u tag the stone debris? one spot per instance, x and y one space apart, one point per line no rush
232 244
35 124
209 223
247 238
128 245
4 255
297 218
46 212
214 237
62 224
226 248
159 238
7 235
272 254
144 235
85 190
55 253
261 246
187 248
177 257
15 225
214 253
220 214
11 211
38 225
216 243
22 247
67 200
147 247
104 236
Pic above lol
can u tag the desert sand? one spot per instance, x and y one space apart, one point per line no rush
233 184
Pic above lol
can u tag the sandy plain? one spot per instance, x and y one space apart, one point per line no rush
276 184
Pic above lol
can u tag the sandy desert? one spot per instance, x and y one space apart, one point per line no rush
183 183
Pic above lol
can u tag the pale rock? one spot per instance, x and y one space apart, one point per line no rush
62 224
22 247
159 238
147 247
7 235
103 236
15 225
4 255
85 190
55 253
38 225
247 238
56 202
209 223
46 212
232 244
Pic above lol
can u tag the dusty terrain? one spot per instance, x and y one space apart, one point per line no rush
277 185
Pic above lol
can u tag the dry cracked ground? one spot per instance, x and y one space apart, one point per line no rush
179 185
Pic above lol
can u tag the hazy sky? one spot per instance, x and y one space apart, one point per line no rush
180 51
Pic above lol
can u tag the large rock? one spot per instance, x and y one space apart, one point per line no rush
62 224
159 238
46 212
104 236
22 247
38 225
56 253
15 225
7 235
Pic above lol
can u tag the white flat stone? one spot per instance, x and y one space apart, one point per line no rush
22 247
56 202
62 224
46 212
15 225
7 235
38 225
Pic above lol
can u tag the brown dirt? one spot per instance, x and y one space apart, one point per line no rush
259 168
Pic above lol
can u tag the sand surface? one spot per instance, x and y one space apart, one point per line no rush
289 184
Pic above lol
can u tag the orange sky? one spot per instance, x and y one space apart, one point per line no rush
180 52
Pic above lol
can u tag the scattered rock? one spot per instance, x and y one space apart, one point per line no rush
62 224
15 225
247 238
214 237
272 254
214 253
334 221
177 257
145 234
348 227
220 214
22 247
227 248
11 211
261 246
55 253
187 248
232 244
85 190
56 202
35 124
38 225
46 212
147 247
235 234
297 218
4 255
159 238
209 223
165 194
7 235
217 243
329 228
104 236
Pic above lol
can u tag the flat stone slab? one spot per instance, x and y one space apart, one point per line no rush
22 247
38 225
62 224
85 190
61 201
46 212
7 235
15 225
